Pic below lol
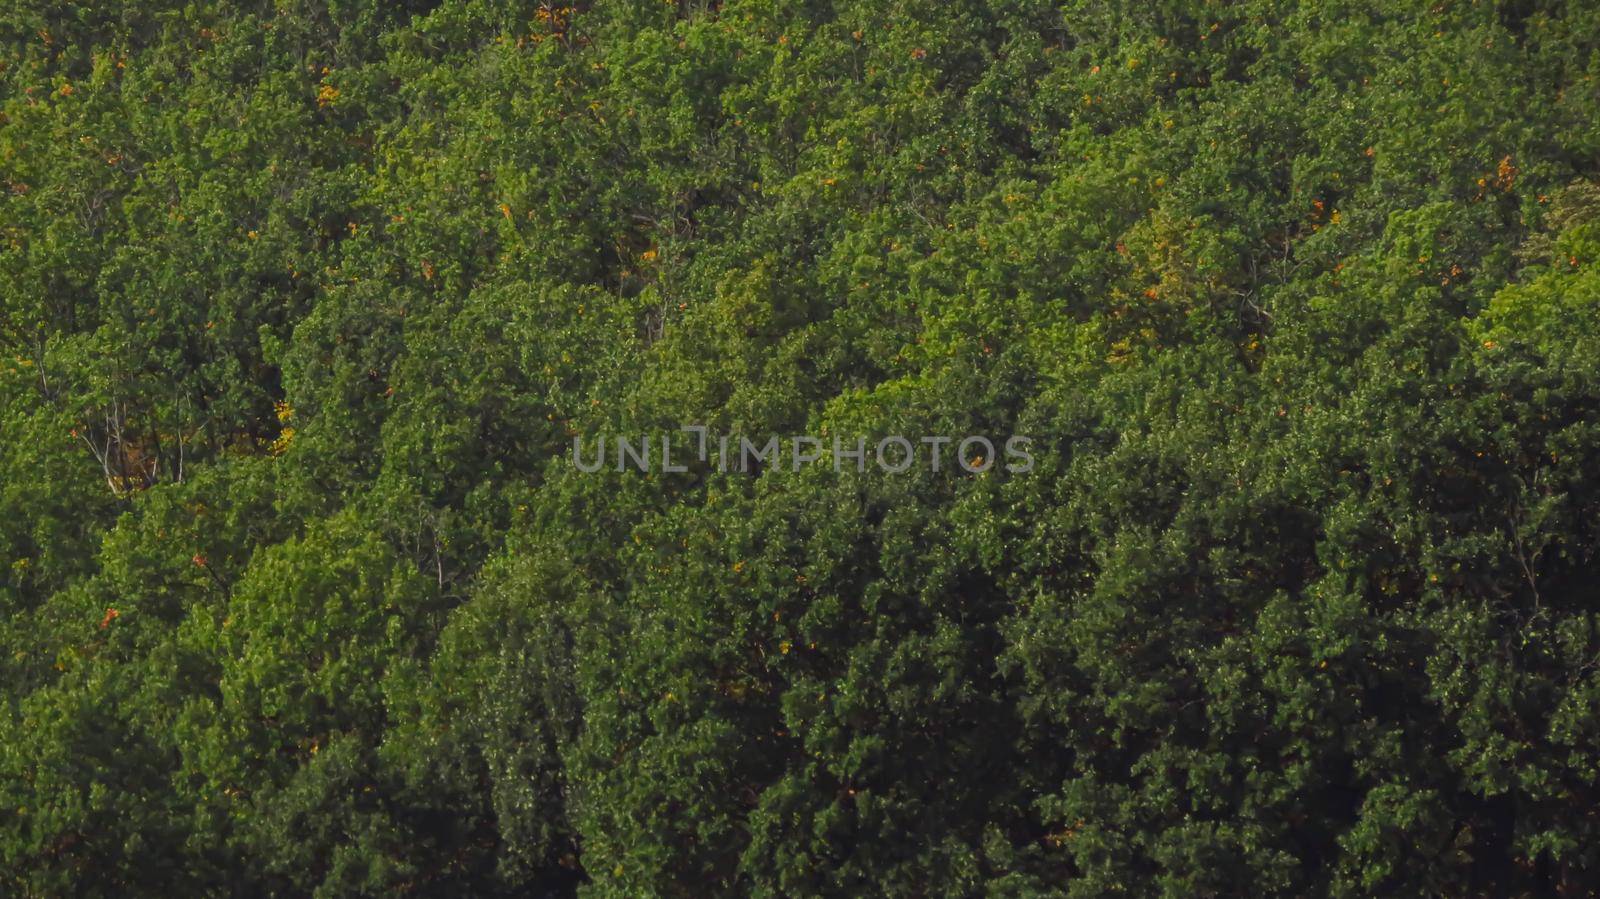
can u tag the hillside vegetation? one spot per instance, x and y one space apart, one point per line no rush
303 304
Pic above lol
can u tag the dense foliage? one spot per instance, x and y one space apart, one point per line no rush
302 304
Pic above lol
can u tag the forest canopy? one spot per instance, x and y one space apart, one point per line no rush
302 306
